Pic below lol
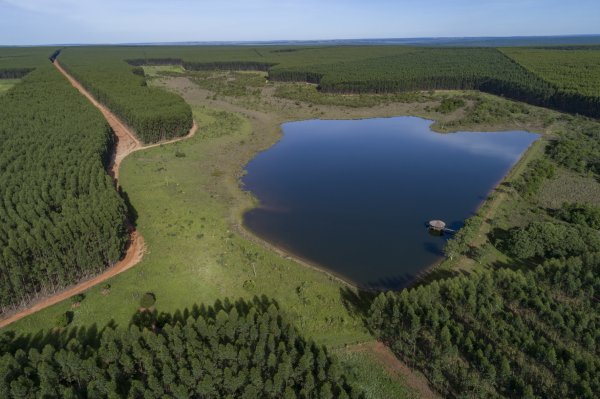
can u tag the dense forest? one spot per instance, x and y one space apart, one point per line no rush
563 78
60 216
503 332
484 69
153 113
204 66
574 69
241 350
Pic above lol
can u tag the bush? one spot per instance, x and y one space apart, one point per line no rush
449 105
581 214
531 181
77 298
64 319
148 300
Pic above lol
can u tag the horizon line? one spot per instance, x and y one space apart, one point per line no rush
277 41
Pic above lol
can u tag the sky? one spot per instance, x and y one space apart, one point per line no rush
28 22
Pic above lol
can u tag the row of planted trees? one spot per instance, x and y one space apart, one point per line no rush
241 350
60 216
155 114
484 69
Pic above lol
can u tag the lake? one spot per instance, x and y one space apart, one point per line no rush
354 196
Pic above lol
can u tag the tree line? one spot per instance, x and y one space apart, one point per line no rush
204 66
484 69
14 73
153 113
60 216
231 350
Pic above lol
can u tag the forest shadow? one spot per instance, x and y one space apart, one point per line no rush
57 337
436 274
132 214
358 302
154 320
499 238
91 336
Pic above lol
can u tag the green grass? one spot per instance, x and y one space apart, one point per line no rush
184 194
152 71
368 375
309 93
230 83
6 84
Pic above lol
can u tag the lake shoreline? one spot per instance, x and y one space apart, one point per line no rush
408 279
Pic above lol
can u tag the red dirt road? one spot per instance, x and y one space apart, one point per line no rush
126 143
134 254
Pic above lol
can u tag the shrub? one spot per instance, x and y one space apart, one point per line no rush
148 300
449 105
77 298
64 319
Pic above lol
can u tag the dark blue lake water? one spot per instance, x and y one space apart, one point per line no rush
354 196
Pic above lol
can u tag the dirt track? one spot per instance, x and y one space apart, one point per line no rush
126 143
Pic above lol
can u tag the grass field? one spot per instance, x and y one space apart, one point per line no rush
6 84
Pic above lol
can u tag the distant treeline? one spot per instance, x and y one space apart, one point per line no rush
14 73
244 350
484 69
205 66
60 216
541 77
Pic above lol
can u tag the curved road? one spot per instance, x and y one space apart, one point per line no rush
126 143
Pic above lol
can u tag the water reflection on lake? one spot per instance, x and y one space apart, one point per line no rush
353 196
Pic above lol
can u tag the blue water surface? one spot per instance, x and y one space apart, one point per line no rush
353 196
